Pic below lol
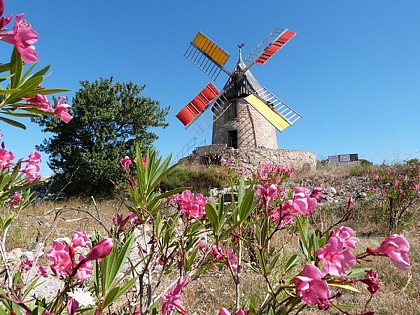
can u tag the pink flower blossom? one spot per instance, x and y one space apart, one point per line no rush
267 195
227 257
80 239
301 203
62 262
72 306
23 37
334 258
133 218
395 247
42 272
345 234
144 162
191 206
3 21
224 311
26 265
282 217
17 199
84 270
317 193
173 298
372 281
125 162
34 157
117 220
101 249
311 288
62 110
41 101
32 171
6 157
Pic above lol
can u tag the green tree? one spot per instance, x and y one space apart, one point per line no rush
109 120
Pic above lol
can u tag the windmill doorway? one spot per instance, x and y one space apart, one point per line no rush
233 138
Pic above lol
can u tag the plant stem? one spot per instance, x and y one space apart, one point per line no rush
237 278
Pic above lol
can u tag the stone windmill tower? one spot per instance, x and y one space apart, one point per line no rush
241 125
244 114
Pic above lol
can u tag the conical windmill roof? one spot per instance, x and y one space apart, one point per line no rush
246 83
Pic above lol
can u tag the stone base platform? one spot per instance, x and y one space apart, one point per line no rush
251 158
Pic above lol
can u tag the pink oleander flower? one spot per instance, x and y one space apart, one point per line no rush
125 162
62 110
301 203
3 21
84 270
345 234
34 157
17 199
227 257
376 176
311 288
117 220
282 217
62 262
372 281
42 272
80 239
6 157
101 249
173 298
267 194
144 162
317 193
334 258
26 265
32 171
132 218
23 37
395 247
191 206
72 306
41 101
224 311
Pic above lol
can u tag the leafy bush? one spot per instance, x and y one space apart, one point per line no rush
200 178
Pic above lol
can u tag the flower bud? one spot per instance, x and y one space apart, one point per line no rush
101 250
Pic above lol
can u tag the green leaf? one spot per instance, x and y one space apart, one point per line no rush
4 67
8 91
247 205
344 286
51 91
357 272
13 122
16 65
190 259
348 307
291 262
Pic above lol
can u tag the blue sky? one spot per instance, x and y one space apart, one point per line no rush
352 70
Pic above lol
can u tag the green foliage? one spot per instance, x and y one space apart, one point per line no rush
201 179
21 84
109 119
398 190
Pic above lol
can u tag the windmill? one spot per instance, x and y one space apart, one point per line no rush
243 114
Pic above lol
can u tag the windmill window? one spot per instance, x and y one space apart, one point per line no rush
232 110
233 138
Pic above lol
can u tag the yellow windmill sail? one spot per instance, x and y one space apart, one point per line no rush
273 117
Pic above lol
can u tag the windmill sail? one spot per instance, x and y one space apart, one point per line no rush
206 55
269 46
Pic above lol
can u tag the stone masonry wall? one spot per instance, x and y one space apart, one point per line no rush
252 128
251 158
